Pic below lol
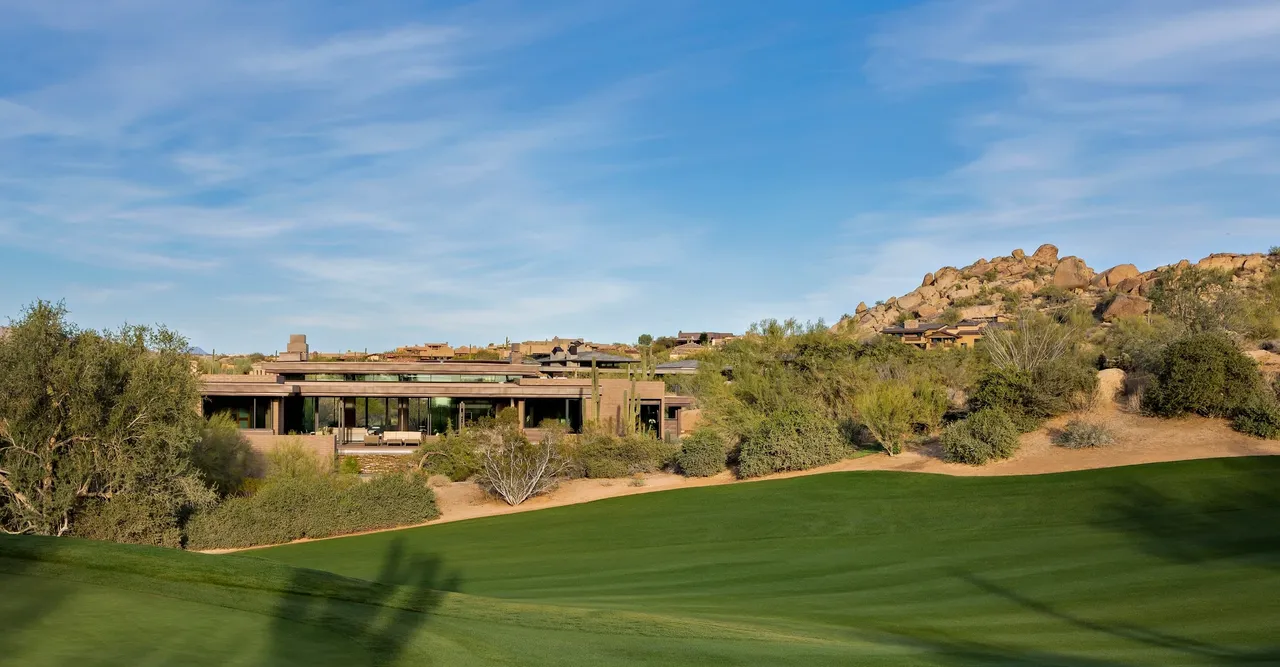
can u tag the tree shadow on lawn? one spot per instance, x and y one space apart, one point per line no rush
380 617
1239 519
1210 654
22 555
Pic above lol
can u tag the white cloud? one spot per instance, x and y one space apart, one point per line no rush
1122 131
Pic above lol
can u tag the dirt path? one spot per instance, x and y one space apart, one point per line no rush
1138 440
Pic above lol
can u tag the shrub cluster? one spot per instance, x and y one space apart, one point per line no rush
792 439
1203 374
984 436
287 508
1030 397
703 453
1081 434
603 455
1258 416
454 455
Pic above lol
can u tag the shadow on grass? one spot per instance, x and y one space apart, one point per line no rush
19 554
1238 518
381 623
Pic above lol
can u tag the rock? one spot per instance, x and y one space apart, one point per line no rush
928 280
928 312
979 312
910 301
1146 287
1023 286
929 293
1072 273
1220 262
1130 285
1254 262
963 292
946 277
1126 305
1115 275
1046 253
1018 253
862 308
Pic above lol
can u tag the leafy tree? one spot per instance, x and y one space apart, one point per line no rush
645 340
88 417
888 410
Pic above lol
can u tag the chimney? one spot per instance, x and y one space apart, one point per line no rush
516 356
297 350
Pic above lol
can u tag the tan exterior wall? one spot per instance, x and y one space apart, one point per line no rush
264 442
689 420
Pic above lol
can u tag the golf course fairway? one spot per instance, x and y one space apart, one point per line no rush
1161 564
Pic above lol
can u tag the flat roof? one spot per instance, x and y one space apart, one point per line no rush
470 367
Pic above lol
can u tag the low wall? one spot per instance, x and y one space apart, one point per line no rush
262 443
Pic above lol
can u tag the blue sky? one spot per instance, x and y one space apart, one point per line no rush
382 173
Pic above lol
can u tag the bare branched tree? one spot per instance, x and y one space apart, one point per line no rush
515 469
1033 341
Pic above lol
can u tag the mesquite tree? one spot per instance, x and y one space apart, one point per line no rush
89 418
515 469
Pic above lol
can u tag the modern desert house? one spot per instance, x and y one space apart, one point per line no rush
929 335
383 404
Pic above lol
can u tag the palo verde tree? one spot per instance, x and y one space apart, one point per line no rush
93 420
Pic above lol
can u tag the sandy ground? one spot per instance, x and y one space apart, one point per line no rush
1138 439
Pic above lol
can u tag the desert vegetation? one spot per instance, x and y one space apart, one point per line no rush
100 438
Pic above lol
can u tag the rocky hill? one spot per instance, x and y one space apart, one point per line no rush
1042 280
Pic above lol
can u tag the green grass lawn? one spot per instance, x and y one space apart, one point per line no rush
1167 564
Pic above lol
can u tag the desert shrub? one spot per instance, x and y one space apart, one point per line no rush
349 465
222 454
793 438
1201 374
513 468
931 403
1081 434
888 409
455 455
604 455
292 459
1275 251
1055 296
132 518
702 453
287 508
1259 416
1030 397
984 436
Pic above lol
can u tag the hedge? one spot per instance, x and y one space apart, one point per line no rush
702 453
984 436
291 508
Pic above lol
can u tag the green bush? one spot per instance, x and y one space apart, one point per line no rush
293 507
1258 416
292 459
1030 397
222 454
1081 434
603 455
984 436
1201 374
702 453
455 455
130 518
792 438
349 465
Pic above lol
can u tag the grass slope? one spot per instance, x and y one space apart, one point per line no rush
1167 564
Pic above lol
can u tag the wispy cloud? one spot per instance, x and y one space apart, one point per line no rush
1123 131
